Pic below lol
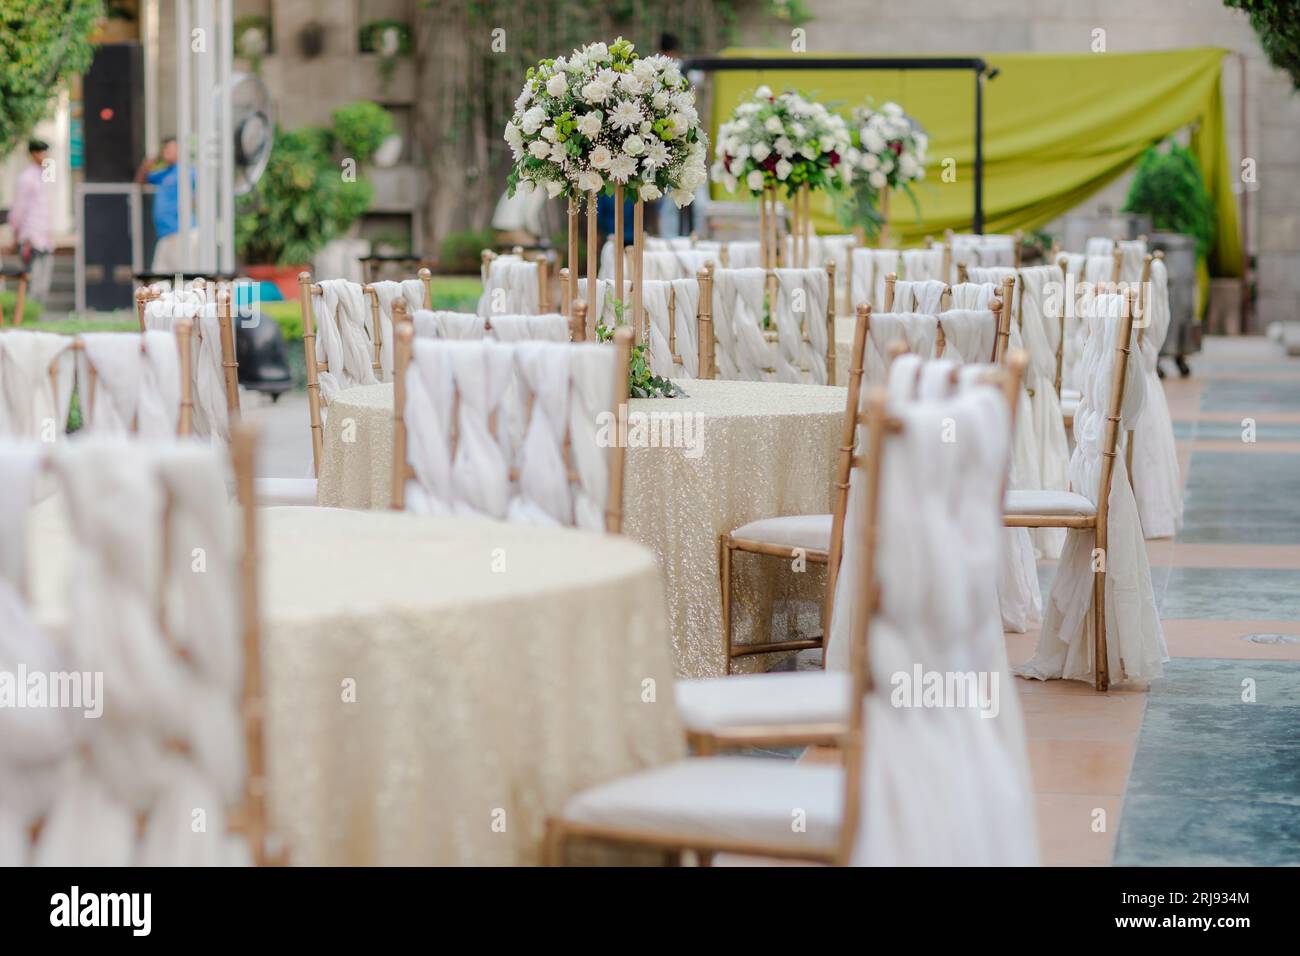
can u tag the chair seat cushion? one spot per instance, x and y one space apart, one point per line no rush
811 532
751 799
715 704
1047 503
1068 407
285 491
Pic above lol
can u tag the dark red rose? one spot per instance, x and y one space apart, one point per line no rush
835 158
897 147
770 162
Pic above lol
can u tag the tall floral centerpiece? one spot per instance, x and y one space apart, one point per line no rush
774 142
606 120
888 154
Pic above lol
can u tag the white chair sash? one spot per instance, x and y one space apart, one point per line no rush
32 403
738 306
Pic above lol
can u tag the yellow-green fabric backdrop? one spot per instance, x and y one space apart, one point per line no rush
1057 127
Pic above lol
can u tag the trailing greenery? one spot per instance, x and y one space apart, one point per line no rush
312 190
1169 188
1277 22
641 381
44 44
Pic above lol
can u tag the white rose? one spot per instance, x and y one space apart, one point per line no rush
598 51
633 84
892 109
532 120
682 197
784 147
680 126
773 125
557 85
760 152
558 154
554 188
634 146
539 148
755 180
763 93
649 192
744 153
590 181
877 179
513 136
872 141
783 169
525 95
596 92
549 134
589 124
601 157
660 101
907 166
810 149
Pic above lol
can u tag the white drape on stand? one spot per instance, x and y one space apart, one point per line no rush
1157 483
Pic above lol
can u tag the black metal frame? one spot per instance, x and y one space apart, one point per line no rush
977 65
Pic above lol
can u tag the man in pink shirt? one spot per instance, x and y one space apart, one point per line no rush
29 216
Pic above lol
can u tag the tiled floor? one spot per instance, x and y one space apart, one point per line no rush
1212 783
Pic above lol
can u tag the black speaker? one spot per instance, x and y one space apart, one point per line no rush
113 113
106 219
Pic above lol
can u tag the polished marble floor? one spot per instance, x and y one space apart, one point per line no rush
1187 772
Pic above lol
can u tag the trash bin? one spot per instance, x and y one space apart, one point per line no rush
1184 336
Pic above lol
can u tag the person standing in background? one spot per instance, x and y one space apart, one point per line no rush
163 174
29 216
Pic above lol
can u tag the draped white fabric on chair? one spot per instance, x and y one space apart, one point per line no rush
388 291
1157 483
870 267
211 418
746 254
924 296
1041 298
917 331
136 383
1134 638
547 327
512 285
34 403
742 351
570 385
341 320
802 300
442 324
922 264
941 785
969 334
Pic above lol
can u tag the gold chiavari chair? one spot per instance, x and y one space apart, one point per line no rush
250 817
783 784
403 471
771 336
816 538
1053 509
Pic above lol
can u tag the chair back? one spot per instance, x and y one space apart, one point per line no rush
521 431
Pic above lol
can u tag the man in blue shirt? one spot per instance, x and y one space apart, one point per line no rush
163 174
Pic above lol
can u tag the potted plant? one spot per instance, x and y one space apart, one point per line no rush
391 40
252 39
311 192
1169 188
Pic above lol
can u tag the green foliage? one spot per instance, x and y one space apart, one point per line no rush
305 199
361 128
9 302
1169 188
372 36
43 45
641 381
461 251
1277 22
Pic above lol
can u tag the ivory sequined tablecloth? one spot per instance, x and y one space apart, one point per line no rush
436 687
745 450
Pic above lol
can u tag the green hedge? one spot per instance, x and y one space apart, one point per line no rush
9 302
452 293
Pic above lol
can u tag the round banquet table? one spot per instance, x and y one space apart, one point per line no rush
761 449
435 687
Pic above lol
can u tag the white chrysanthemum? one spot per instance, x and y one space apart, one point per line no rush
514 136
621 168
773 125
625 115
656 154
525 95
872 141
